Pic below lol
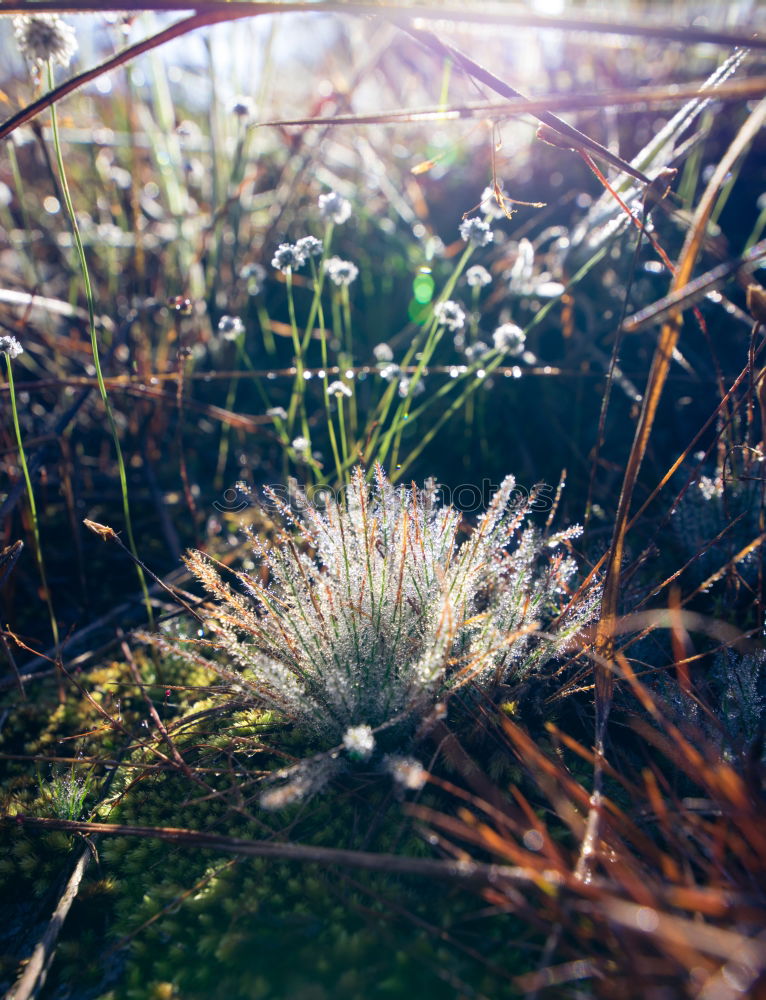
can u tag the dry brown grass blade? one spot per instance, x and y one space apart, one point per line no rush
686 916
657 377
694 291
455 871
215 13
714 941
643 98
485 14
32 979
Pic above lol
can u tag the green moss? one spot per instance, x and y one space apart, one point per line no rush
179 922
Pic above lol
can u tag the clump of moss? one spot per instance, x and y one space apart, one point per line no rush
176 922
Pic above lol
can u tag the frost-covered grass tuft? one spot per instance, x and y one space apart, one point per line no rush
374 610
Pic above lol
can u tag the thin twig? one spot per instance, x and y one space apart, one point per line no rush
456 871
643 98
32 979
484 14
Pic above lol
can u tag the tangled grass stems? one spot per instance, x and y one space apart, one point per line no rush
319 278
472 384
31 499
91 306
392 435
297 407
301 345
675 902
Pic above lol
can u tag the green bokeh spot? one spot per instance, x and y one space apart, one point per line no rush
418 312
423 288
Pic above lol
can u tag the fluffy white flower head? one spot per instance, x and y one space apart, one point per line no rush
10 346
334 208
509 339
309 246
288 258
339 389
41 37
341 272
477 276
407 772
476 232
409 388
450 314
230 327
243 107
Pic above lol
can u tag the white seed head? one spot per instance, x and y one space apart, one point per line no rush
309 246
254 275
341 272
478 276
41 37
475 351
243 107
10 346
450 314
490 205
230 327
339 389
409 388
287 257
334 208
476 231
406 771
509 339
388 372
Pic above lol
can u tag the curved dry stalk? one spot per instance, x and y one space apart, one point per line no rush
656 382
216 13
498 15
644 98
32 979
467 872
696 289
